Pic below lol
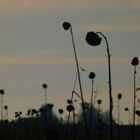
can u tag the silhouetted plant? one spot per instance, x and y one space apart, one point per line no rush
50 106
61 111
138 115
29 112
2 92
93 39
6 112
127 110
67 26
69 101
41 110
44 85
5 107
91 76
46 111
34 112
134 63
70 108
138 112
119 98
138 89
104 116
18 114
99 101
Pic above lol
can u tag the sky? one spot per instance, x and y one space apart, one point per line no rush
35 49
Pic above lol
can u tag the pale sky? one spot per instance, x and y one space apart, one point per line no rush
35 49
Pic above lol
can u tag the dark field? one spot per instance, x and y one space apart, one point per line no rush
46 126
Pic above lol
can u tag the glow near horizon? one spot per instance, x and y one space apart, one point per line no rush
35 49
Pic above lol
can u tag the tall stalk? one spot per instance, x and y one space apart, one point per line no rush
67 26
134 63
93 39
2 93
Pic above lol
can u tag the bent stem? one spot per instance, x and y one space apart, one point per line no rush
110 86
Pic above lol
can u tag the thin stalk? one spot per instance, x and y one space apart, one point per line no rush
80 85
91 100
1 107
138 119
118 111
118 119
129 117
91 107
74 92
74 136
94 100
79 97
72 97
99 122
110 87
134 106
45 92
69 112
